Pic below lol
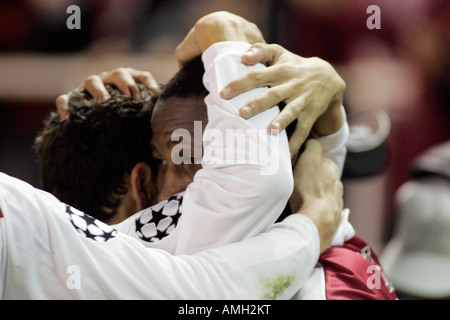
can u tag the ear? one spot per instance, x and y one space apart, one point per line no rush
141 185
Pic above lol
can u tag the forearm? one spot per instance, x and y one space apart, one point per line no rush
121 267
332 119
334 143
272 265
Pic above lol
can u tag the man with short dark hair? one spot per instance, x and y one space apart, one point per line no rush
99 158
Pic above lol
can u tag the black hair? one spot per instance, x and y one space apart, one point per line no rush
187 82
84 159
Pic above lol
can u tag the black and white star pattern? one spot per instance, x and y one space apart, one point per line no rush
160 220
89 226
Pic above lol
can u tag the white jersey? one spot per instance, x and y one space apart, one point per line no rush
49 250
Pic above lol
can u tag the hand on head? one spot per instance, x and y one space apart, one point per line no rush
125 79
213 28
310 87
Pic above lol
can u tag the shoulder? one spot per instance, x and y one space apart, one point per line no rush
353 272
157 222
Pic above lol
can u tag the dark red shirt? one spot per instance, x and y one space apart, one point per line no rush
353 272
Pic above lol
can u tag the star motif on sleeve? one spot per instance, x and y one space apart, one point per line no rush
90 227
158 222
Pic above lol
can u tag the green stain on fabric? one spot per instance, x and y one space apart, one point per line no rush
273 288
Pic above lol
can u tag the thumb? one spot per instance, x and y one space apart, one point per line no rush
312 152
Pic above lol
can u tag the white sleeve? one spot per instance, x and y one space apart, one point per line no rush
246 176
52 251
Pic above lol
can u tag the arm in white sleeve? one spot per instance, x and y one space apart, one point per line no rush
246 176
50 254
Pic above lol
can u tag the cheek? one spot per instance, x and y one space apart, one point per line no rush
174 179
160 180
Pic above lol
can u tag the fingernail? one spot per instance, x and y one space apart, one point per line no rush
275 128
245 112
250 52
225 93
101 98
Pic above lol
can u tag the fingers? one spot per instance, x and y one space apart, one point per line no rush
300 104
95 86
62 106
300 134
125 79
146 79
313 157
305 122
285 79
267 54
266 100
258 53
312 152
313 168
280 90
250 80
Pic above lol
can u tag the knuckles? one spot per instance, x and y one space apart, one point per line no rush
92 79
119 72
255 76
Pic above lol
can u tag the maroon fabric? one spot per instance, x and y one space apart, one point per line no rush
353 272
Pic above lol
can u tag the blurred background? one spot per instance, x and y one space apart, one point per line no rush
397 97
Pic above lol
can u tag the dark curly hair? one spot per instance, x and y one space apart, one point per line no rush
187 82
84 158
